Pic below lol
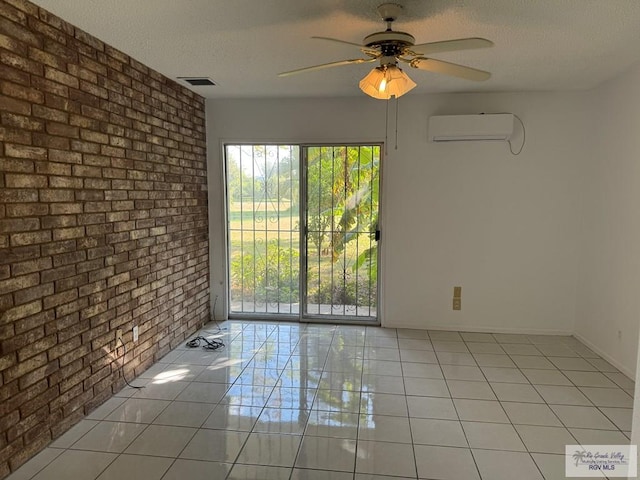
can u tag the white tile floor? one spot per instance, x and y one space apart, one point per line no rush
320 402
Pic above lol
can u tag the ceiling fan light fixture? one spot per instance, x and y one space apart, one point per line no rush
385 82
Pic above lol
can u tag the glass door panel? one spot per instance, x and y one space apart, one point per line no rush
263 215
342 192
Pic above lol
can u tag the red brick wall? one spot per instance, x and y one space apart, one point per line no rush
103 223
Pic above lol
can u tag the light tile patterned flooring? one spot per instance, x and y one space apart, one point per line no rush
322 402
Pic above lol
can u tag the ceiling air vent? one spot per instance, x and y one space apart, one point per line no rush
198 81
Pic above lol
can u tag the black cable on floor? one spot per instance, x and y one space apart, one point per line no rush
215 320
208 344
122 367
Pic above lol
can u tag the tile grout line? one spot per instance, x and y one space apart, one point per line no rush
545 402
464 432
177 457
500 401
295 458
357 441
455 408
593 405
406 400
227 346
507 416
234 463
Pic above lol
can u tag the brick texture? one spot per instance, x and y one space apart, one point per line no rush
103 223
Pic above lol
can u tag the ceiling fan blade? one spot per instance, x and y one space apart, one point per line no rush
365 49
327 65
447 68
450 46
338 41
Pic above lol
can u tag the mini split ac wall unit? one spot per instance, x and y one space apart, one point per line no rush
465 128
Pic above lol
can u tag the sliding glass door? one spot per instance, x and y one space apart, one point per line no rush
263 194
341 218
303 231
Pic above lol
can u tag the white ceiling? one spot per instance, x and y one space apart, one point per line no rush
243 44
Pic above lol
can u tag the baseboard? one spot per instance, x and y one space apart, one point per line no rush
481 329
607 357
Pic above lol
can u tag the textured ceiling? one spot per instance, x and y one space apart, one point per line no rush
243 44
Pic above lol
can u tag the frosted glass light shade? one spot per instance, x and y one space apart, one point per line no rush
385 82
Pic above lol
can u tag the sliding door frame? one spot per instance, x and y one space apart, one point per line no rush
320 318
301 317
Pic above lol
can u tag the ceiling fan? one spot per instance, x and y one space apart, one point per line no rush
391 47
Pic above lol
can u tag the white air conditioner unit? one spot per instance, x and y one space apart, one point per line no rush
460 128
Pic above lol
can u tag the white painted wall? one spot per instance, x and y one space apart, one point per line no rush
505 228
608 297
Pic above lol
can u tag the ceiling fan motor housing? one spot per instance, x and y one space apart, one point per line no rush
390 43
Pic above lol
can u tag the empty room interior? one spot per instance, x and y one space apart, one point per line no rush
328 240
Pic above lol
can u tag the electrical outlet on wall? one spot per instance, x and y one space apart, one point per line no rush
135 333
457 298
457 304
